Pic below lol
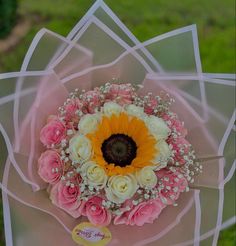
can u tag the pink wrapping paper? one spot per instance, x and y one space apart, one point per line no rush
36 91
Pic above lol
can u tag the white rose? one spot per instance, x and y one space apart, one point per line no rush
95 174
80 148
121 188
110 108
164 153
135 111
88 123
146 177
157 127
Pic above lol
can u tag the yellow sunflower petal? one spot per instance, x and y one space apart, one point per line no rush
134 128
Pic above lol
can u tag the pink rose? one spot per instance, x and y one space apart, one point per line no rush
96 213
50 166
181 148
145 212
150 105
53 132
122 93
67 198
91 101
174 183
70 110
175 124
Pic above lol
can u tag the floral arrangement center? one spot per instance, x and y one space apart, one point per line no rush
112 155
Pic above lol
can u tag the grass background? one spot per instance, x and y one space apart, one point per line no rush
146 19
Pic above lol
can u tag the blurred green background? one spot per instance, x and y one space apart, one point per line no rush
145 18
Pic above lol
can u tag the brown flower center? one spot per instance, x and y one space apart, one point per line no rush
119 149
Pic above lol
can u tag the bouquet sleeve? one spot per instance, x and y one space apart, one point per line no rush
100 49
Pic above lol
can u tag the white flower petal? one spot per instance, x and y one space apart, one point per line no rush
146 177
157 127
164 153
95 174
121 187
88 123
110 108
79 148
135 111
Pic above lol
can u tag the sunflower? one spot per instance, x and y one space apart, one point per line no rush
122 144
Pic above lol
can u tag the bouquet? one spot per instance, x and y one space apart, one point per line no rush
105 135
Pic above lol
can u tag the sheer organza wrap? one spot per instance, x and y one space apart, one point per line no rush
98 49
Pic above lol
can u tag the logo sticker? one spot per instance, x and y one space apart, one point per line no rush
88 234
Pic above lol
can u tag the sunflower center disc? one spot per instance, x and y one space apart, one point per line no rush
119 149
